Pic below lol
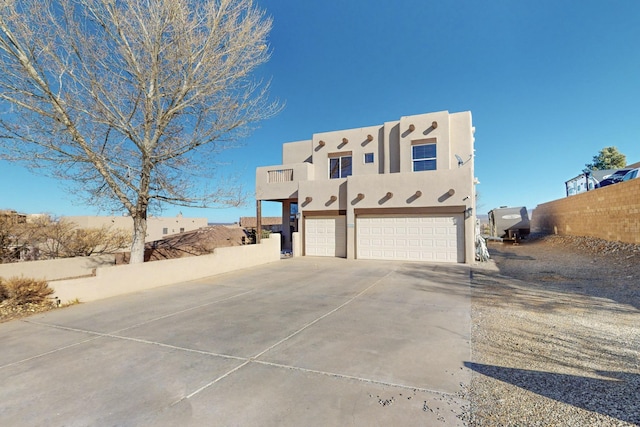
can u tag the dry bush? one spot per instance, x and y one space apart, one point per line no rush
26 290
4 292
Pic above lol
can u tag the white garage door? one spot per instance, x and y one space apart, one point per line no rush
437 238
326 236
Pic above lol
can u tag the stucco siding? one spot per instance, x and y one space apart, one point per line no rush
296 152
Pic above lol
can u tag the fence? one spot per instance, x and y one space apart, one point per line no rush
610 213
123 279
55 269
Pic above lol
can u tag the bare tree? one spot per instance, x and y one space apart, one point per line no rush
50 236
132 99
60 238
94 241
13 240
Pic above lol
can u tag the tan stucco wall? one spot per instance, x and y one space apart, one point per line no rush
357 144
610 213
266 190
424 132
434 186
391 149
124 279
321 192
296 152
55 269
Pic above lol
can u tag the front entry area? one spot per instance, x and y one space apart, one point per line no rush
437 238
326 236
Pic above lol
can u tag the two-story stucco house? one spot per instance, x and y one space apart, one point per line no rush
403 190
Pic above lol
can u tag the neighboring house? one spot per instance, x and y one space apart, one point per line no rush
12 217
271 223
403 190
157 227
633 166
589 181
586 181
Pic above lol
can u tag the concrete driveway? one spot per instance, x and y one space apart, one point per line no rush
306 341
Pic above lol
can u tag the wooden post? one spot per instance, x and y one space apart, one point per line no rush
258 220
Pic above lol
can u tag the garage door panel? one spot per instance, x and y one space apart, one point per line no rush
326 236
414 238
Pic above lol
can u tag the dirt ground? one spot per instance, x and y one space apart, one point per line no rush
556 334
585 265
10 311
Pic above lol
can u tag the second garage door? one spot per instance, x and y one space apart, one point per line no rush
326 236
437 238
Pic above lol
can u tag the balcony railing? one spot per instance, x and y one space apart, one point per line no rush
280 175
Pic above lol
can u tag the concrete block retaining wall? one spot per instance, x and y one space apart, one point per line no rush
610 213
125 279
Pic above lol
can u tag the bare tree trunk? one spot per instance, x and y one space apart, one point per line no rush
139 234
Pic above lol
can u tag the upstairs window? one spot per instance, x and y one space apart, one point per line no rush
424 157
339 165
368 157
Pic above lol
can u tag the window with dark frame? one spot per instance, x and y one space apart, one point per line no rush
339 167
424 157
368 157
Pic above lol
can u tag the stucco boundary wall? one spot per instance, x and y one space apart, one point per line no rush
609 213
124 279
56 269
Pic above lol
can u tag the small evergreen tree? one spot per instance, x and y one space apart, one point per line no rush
607 158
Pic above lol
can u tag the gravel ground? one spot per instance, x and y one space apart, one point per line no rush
11 311
556 334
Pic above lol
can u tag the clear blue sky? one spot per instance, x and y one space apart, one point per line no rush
549 83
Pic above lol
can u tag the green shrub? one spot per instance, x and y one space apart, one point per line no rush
26 290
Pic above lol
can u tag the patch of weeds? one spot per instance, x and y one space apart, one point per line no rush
23 296
69 303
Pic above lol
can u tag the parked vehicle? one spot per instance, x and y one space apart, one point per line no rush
633 173
509 223
613 178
